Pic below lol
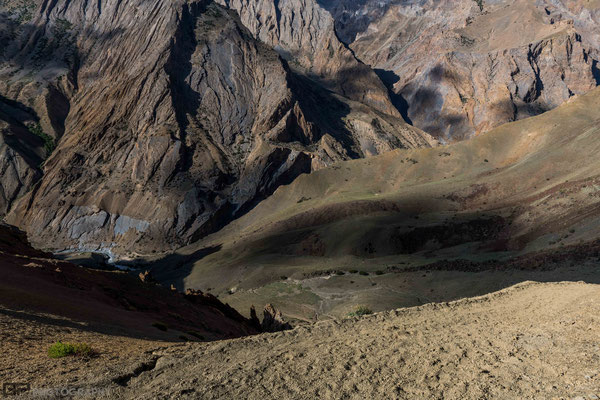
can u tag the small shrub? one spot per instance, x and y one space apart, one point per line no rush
380 272
359 311
363 273
160 326
60 349
49 144
339 273
353 271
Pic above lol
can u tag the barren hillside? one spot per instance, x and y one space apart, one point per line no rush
371 231
528 342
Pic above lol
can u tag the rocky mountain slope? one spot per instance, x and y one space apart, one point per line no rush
304 33
163 140
462 68
522 190
21 154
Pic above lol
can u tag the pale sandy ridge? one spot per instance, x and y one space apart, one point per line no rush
533 340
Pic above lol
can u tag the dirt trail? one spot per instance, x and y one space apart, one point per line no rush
530 341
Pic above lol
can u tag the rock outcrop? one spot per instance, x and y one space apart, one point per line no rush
21 153
304 34
459 69
273 320
178 119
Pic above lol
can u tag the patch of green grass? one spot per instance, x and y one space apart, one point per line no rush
359 311
49 144
60 349
160 326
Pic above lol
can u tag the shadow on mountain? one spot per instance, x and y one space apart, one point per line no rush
175 267
596 71
389 79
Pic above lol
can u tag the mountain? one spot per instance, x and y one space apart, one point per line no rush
163 140
462 68
521 199
410 187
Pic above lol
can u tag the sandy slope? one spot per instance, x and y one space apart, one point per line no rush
530 341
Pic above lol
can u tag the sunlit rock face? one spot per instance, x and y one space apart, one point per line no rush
461 68
173 117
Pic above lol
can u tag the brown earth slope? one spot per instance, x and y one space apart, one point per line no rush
528 342
33 283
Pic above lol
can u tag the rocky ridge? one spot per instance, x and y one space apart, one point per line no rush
165 139
460 69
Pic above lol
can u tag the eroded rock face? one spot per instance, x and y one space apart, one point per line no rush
178 120
459 70
304 33
273 320
21 154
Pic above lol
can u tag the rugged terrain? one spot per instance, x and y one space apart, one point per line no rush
413 226
308 154
459 68
529 341
37 287
163 140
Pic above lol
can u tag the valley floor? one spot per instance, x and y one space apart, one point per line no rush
530 341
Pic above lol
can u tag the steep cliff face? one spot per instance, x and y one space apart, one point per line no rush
459 69
21 153
178 120
304 33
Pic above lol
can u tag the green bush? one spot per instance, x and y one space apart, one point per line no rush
49 144
60 349
363 273
380 272
359 311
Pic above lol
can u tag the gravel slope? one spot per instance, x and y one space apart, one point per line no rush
529 341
